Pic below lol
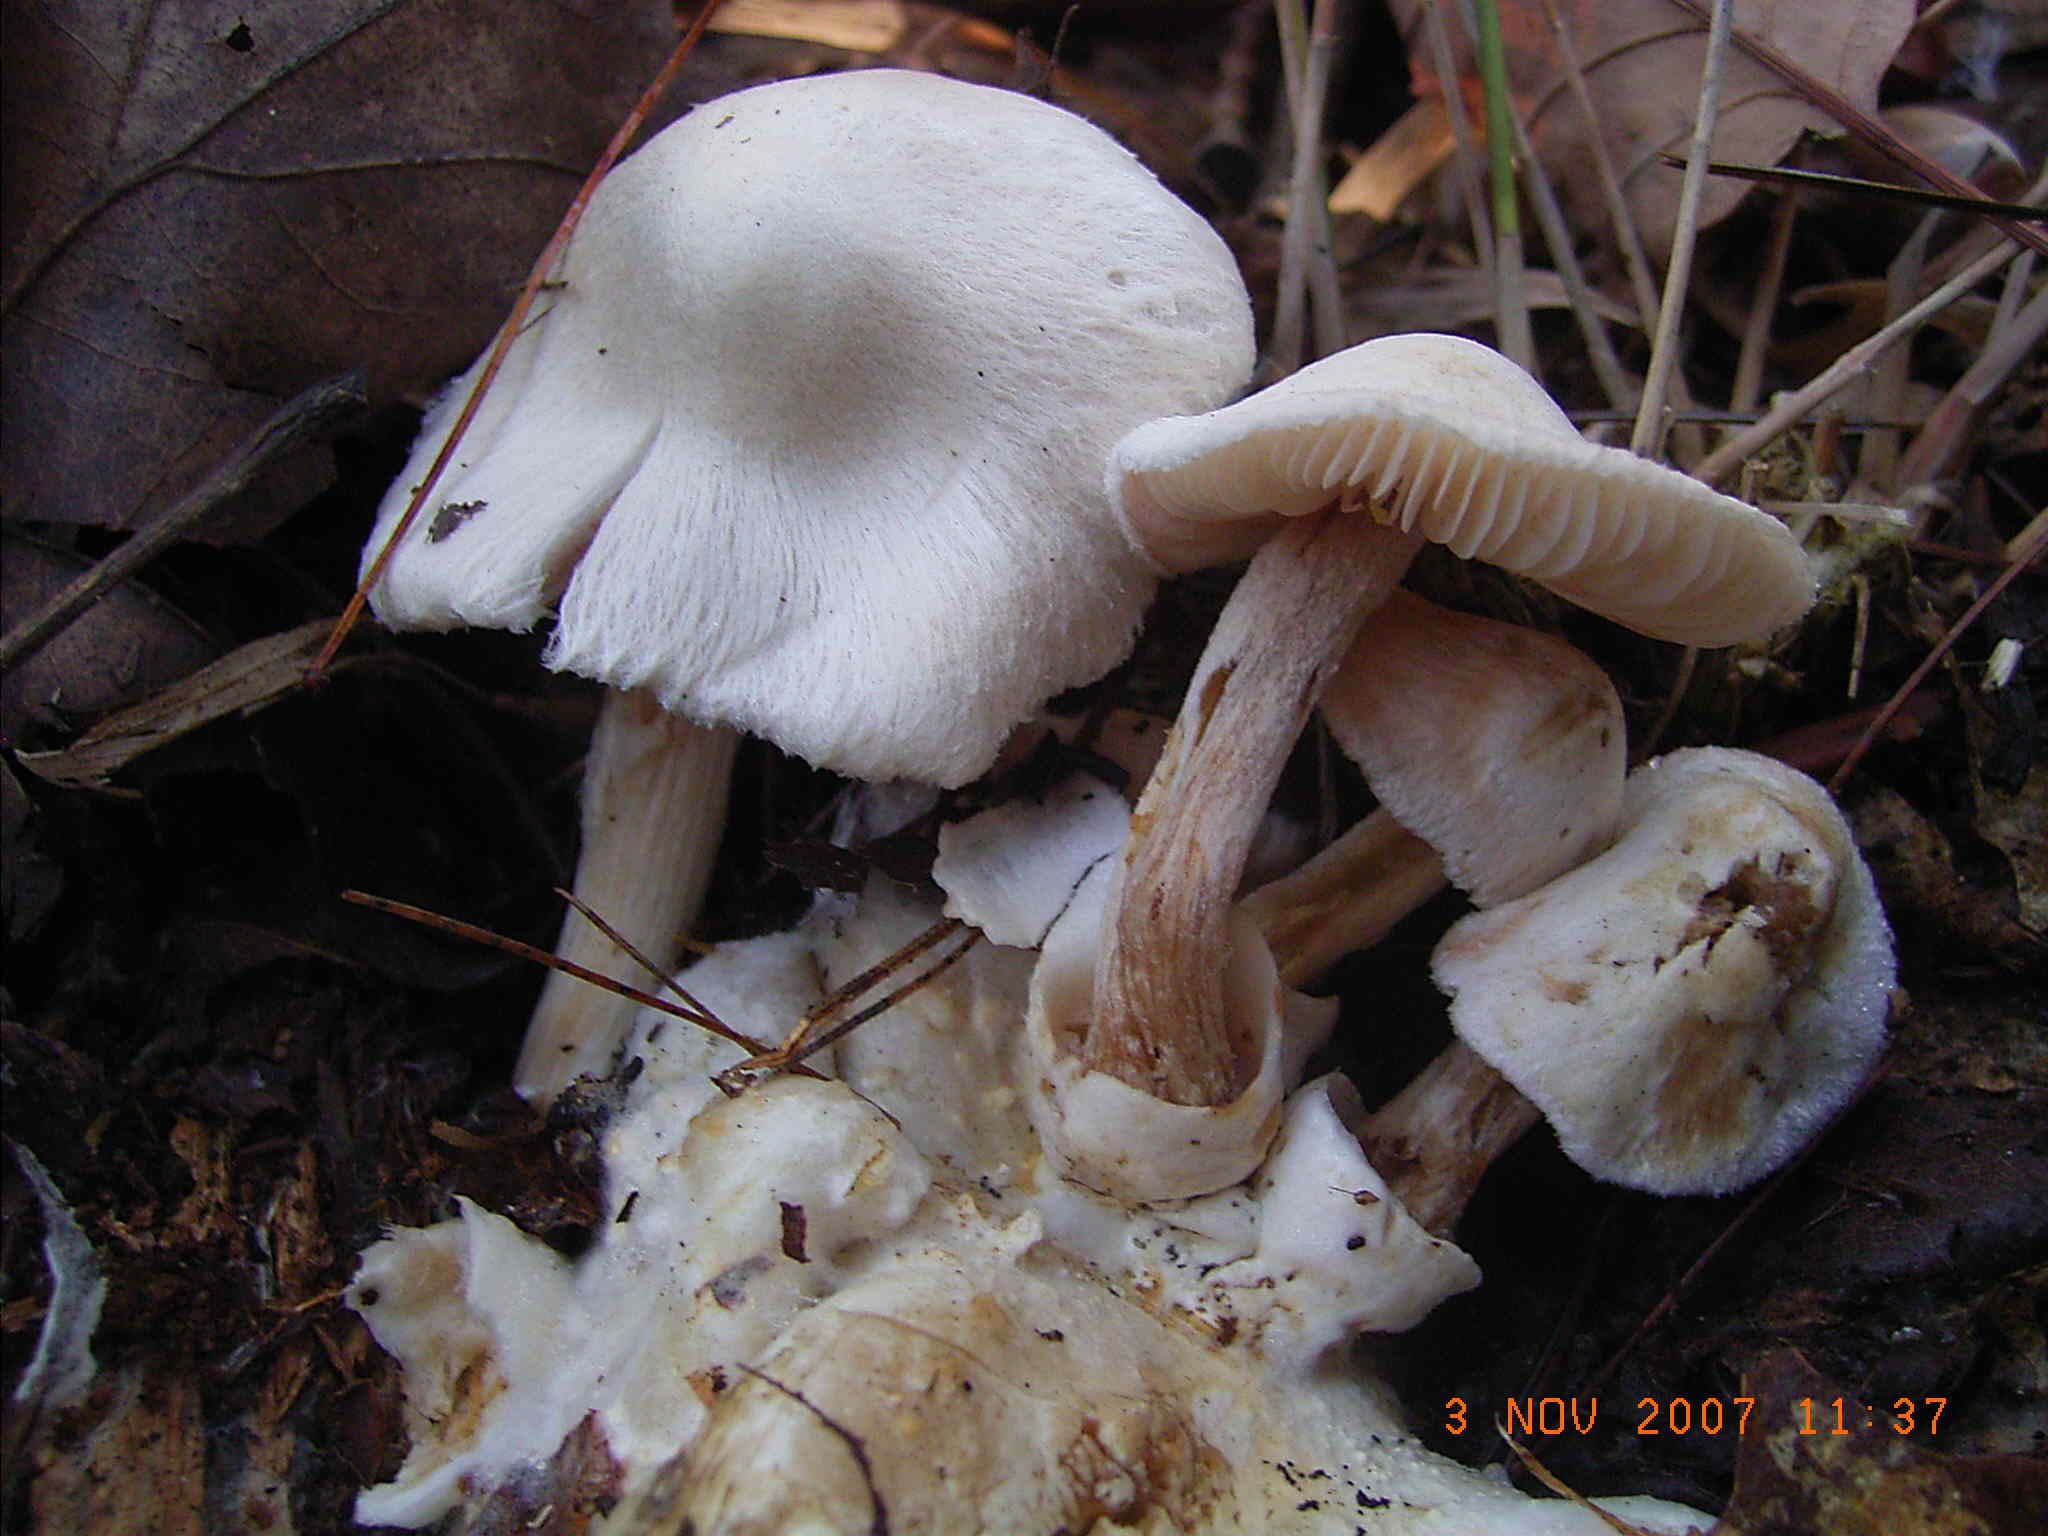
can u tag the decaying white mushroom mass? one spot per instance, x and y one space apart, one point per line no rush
828 1299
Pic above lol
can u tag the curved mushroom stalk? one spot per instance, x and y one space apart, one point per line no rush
1134 1144
1036 876
1500 747
654 793
1346 898
1402 439
1688 1009
1160 1020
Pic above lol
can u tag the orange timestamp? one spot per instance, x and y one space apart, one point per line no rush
1529 1416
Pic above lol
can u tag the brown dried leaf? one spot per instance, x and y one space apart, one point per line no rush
1794 1473
129 643
1642 63
2016 823
206 213
240 683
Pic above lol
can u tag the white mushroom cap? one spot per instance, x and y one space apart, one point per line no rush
1690 1007
1013 869
1497 753
809 439
1444 437
1503 748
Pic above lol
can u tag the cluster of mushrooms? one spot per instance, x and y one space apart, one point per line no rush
867 414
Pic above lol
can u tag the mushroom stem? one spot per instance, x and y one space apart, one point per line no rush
1160 1021
1435 1139
654 791
1345 898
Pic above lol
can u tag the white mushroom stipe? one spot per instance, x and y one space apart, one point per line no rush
1440 419
653 811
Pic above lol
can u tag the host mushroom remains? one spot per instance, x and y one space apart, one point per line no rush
807 437
1344 470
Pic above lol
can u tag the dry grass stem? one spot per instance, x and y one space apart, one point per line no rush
1850 366
1557 235
1305 255
1944 440
1763 305
1511 299
1621 218
290 425
1648 435
1443 59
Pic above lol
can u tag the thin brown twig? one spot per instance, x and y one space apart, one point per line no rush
1681 680
853 987
462 930
633 952
514 323
290 425
1940 648
882 1005
1763 306
1562 1489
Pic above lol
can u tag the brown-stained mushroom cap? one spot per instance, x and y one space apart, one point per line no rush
1690 1007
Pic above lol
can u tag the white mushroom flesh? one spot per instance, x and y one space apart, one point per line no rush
802 1317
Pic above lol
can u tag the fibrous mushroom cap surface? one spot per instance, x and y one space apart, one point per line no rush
1690 1007
1442 436
1501 747
808 439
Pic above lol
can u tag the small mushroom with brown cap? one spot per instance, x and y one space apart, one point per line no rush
1687 1009
1343 470
808 442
